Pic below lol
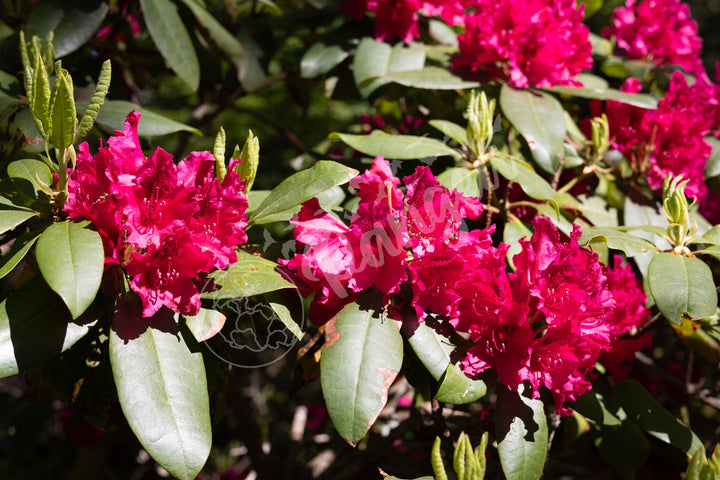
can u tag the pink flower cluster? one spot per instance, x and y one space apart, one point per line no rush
547 323
669 139
661 31
165 224
340 261
528 42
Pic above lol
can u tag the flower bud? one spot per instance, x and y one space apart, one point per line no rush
675 206
480 122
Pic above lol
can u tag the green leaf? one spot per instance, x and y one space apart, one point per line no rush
70 257
712 236
35 326
251 275
172 39
458 389
464 180
623 447
443 33
540 119
18 251
163 393
362 356
376 59
648 414
114 113
589 407
320 59
452 130
712 167
302 186
396 147
615 238
225 40
12 215
683 287
713 251
97 101
519 172
636 99
430 78
522 434
72 27
219 154
31 171
62 111
206 324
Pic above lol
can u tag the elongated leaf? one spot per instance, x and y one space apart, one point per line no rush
225 40
302 186
172 39
31 171
458 389
522 434
72 25
63 111
531 183
683 287
35 326
464 180
97 101
206 324
163 393
361 359
114 113
637 99
12 215
397 147
320 59
452 130
540 119
432 78
251 275
71 257
18 251
376 59
589 407
712 167
623 447
630 244
649 415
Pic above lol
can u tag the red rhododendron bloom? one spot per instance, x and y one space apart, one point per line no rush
667 140
529 42
661 31
545 324
165 224
340 261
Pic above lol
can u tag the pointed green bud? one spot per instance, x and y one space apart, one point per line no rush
676 209
250 156
600 136
436 461
219 154
480 122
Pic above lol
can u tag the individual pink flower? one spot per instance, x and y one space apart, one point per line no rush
660 31
165 224
667 140
528 42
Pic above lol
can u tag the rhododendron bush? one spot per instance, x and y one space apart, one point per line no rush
454 239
